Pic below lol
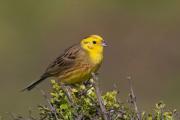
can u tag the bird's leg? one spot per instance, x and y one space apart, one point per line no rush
88 83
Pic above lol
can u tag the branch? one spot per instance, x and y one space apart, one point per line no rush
70 101
31 117
16 117
98 94
133 98
53 110
68 94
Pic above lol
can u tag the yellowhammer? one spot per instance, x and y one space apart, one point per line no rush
77 63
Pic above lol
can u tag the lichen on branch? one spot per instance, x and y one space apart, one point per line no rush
84 102
86 106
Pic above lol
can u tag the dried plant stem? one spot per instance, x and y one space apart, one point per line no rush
70 100
68 94
15 117
53 110
98 94
31 117
133 98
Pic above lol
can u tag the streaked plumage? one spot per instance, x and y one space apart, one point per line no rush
77 63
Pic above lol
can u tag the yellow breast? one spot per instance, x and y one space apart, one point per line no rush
95 58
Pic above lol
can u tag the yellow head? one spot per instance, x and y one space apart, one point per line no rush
93 44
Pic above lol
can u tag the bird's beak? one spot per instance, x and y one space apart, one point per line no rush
104 43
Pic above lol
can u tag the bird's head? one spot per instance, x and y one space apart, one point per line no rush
93 43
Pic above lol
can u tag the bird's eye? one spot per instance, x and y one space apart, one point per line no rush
94 42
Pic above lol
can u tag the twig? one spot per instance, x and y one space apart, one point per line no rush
50 105
133 98
15 117
79 117
68 94
70 100
98 94
30 115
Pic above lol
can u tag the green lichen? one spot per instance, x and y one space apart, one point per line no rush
86 107
83 104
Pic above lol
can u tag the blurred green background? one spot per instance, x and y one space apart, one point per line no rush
143 38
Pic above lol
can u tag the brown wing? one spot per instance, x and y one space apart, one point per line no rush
63 62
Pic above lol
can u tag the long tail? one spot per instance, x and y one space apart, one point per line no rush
34 84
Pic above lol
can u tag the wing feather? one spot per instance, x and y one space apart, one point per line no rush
64 61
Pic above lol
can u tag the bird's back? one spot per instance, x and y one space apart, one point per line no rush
77 63
73 66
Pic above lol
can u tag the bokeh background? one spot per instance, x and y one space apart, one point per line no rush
143 38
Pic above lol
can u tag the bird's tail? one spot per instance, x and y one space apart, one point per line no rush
34 84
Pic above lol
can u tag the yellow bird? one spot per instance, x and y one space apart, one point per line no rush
77 63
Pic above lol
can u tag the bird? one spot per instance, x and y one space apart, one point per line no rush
77 62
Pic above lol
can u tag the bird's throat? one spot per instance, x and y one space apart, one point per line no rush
96 58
